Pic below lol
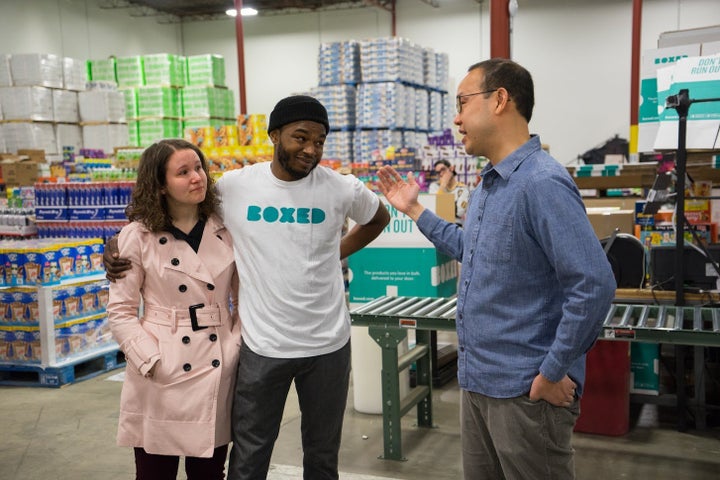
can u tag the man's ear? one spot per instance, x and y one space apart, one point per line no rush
275 136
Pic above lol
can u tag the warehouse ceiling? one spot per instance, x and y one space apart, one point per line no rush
195 10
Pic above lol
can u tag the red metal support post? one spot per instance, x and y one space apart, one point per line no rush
635 75
240 56
499 29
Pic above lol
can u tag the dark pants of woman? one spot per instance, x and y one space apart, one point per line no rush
165 467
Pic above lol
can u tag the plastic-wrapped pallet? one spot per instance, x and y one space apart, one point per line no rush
131 102
74 74
442 65
103 70
448 105
150 130
339 145
340 102
381 105
435 111
368 143
101 106
206 70
339 63
133 133
68 135
422 109
410 120
200 101
5 76
105 137
42 69
27 103
129 71
65 106
30 135
414 139
430 68
164 69
391 59
159 102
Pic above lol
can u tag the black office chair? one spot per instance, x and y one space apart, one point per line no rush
626 255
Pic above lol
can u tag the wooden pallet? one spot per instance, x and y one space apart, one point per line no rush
56 376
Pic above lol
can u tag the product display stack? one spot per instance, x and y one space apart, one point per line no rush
381 93
58 128
228 141
39 102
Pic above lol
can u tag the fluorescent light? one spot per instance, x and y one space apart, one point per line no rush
245 12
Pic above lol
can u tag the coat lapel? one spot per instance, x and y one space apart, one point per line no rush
213 256
216 248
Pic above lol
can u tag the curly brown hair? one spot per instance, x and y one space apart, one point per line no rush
148 205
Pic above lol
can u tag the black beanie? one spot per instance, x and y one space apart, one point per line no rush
297 108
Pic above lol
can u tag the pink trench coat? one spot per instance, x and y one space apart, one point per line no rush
185 407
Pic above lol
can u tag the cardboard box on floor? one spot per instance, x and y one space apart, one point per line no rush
21 169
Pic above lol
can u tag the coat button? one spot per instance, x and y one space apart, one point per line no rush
211 286
216 363
163 240
213 337
186 339
187 367
175 262
183 288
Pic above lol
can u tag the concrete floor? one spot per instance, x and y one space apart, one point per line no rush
69 433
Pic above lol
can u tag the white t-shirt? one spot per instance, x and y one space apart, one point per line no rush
287 249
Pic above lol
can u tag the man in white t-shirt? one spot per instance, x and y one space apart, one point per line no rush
286 219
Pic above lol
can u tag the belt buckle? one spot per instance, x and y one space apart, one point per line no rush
193 317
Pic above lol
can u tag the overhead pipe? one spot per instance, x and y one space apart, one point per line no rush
239 37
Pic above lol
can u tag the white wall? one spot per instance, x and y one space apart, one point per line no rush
80 29
577 50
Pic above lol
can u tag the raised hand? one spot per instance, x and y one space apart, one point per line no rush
401 194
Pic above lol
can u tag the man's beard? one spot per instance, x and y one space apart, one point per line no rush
284 159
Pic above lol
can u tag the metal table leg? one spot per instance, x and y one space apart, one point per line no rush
394 407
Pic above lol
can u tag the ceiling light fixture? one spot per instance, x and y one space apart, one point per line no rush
245 12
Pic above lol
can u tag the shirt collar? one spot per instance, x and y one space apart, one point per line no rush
511 163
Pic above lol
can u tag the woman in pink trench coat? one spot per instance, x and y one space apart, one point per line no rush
182 352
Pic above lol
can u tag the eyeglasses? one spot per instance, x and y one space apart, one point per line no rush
458 99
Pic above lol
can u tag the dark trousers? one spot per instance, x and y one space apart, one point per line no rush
260 394
165 467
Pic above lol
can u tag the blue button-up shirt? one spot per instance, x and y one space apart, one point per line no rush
535 283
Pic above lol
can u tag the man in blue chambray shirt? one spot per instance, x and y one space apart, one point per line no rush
535 284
